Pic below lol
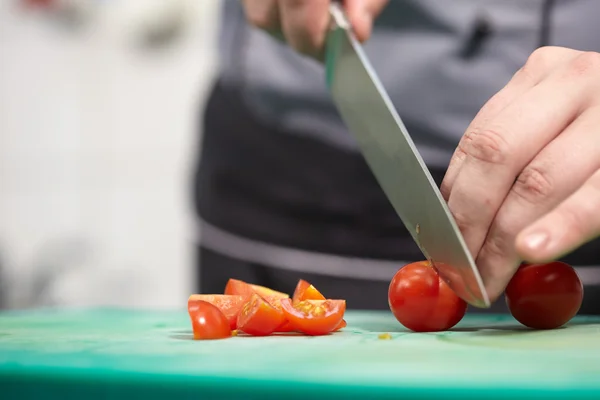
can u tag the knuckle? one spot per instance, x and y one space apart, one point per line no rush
486 145
542 60
455 163
458 157
534 184
584 64
538 60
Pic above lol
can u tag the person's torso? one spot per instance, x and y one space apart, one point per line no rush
439 60
277 165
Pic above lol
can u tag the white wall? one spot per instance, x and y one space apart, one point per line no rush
97 139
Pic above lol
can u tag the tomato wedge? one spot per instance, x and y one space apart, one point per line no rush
241 288
259 318
314 317
229 305
265 292
306 291
235 287
208 322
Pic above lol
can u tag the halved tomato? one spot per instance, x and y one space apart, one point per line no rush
314 317
306 291
230 305
259 318
208 322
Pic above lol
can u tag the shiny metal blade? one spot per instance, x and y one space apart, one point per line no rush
391 154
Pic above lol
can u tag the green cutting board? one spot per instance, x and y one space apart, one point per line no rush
119 354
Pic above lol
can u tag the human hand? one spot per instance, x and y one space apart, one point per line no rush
303 24
524 182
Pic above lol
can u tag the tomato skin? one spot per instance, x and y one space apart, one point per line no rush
544 296
259 318
208 322
230 305
314 317
341 325
421 301
285 328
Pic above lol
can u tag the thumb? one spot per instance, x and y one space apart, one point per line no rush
362 14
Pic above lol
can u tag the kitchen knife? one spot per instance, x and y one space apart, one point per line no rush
367 110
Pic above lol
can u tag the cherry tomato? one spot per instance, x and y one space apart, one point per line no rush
314 317
228 304
208 322
421 301
259 318
544 296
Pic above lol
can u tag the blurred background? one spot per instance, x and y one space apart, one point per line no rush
99 109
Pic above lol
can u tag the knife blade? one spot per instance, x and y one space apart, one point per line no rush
392 156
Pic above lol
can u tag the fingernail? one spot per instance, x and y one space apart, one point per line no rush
537 240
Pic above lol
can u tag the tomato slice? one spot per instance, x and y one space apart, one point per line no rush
314 317
208 322
230 305
306 291
259 318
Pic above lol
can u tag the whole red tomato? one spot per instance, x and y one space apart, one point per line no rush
544 296
421 301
